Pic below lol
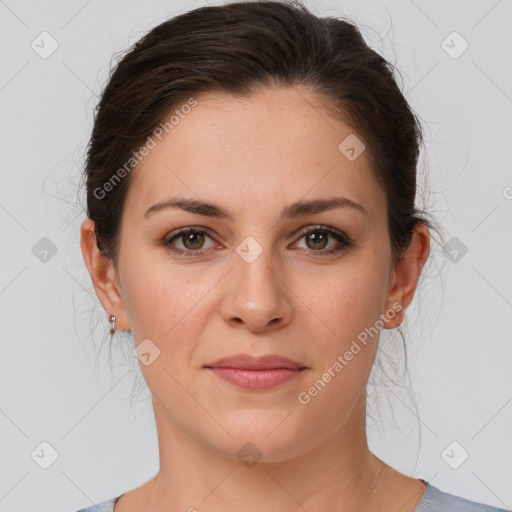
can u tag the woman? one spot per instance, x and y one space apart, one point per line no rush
251 181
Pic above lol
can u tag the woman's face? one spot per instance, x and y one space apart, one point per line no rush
255 281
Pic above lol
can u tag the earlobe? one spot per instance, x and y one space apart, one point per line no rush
394 311
103 275
406 274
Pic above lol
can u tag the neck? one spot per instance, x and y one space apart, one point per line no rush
338 473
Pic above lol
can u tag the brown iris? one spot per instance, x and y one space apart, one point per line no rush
195 240
318 240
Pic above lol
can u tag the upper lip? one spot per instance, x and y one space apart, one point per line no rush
246 362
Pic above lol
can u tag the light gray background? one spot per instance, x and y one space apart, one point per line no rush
56 386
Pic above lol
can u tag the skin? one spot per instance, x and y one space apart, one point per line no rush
253 157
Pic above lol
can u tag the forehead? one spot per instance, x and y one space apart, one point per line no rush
272 148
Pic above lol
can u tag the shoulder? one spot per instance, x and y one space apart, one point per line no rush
435 500
105 506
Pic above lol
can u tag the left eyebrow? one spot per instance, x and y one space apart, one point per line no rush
293 210
320 205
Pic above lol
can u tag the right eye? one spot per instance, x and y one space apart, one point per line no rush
191 238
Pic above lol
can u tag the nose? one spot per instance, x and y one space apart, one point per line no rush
256 295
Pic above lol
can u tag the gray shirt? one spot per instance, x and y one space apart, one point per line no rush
433 500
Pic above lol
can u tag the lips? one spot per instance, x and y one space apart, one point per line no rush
256 373
246 362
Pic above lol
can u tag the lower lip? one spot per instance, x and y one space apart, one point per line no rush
256 379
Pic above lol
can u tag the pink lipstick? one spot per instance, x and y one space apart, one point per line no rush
256 373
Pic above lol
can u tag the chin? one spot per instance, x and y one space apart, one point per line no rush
258 438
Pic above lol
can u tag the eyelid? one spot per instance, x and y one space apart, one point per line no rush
323 227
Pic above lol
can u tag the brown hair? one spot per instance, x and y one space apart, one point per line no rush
239 48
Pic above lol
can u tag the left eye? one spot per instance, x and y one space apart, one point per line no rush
316 240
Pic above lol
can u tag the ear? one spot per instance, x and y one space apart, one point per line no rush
104 277
406 273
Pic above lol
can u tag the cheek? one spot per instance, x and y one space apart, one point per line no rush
345 341
146 294
165 302
344 302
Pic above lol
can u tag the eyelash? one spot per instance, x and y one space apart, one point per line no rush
340 237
